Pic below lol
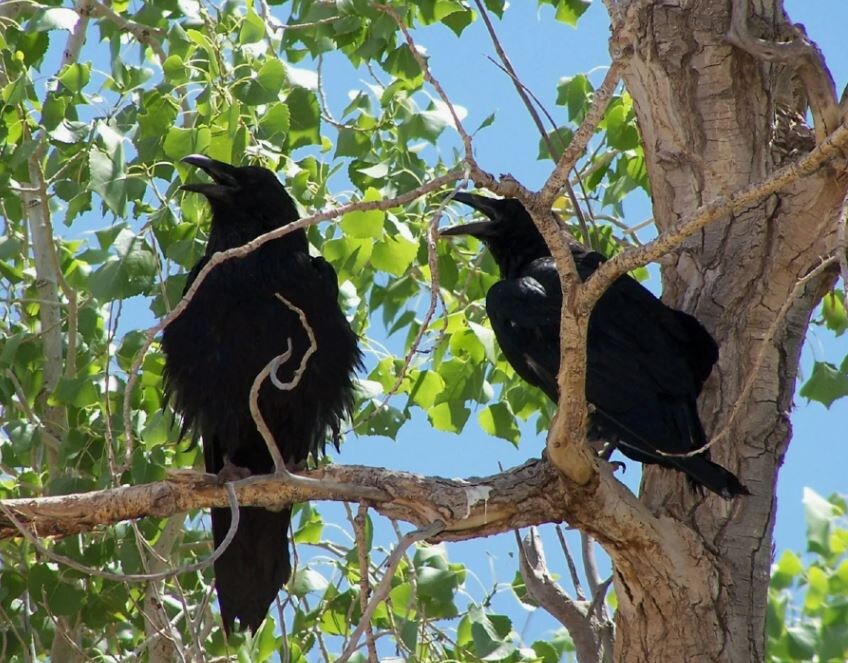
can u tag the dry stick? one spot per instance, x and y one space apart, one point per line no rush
572 567
584 133
547 592
133 577
800 54
360 524
435 293
741 402
144 34
422 63
590 564
522 93
245 249
280 469
385 584
270 369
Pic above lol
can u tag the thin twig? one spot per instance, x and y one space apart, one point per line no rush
590 563
572 567
385 584
584 133
765 345
425 69
628 260
528 104
360 524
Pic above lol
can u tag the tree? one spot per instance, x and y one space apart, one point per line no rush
747 203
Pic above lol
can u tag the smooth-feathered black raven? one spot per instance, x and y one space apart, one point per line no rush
646 362
231 329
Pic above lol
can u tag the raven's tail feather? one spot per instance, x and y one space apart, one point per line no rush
703 472
253 568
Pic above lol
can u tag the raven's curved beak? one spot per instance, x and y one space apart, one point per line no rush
223 175
477 229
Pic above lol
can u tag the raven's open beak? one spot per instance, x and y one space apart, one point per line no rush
477 229
223 175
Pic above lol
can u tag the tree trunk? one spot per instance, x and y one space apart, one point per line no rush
706 110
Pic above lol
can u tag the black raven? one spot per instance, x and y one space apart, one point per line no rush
646 362
231 329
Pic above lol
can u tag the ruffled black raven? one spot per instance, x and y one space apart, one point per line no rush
233 326
646 362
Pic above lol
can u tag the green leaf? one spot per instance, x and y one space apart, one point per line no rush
75 76
558 139
568 11
55 18
307 581
833 311
490 640
394 254
575 92
427 388
108 178
364 224
819 514
252 28
79 392
275 122
498 420
788 568
449 416
402 63
182 142
827 383
305 118
802 641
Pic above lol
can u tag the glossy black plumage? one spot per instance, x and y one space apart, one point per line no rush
230 330
646 362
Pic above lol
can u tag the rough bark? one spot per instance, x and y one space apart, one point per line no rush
706 112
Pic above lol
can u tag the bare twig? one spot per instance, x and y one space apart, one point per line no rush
581 137
831 148
425 69
590 563
270 370
842 249
435 292
144 34
765 346
524 95
385 584
581 624
572 567
360 524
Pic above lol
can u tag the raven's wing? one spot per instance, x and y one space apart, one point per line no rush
640 373
524 313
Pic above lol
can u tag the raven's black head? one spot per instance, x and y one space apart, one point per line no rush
509 233
247 199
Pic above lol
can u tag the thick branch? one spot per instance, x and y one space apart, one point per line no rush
531 494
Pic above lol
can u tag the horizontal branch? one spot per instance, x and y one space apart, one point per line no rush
530 494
